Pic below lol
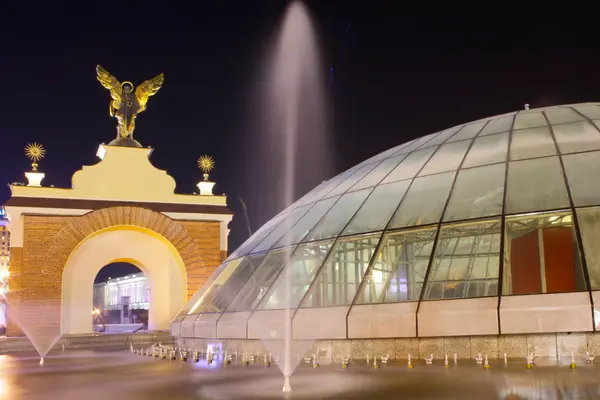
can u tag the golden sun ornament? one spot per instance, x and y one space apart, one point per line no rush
206 164
35 152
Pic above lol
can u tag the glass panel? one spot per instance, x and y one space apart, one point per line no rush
530 143
348 183
384 154
295 279
231 287
541 255
558 115
589 227
342 273
526 119
447 158
478 192
258 236
583 171
591 111
337 218
424 202
442 137
410 166
191 304
417 143
468 131
333 183
535 185
487 150
307 222
282 228
218 282
376 212
399 270
576 136
380 172
497 125
263 277
466 262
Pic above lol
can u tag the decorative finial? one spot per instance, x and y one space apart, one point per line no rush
35 152
206 164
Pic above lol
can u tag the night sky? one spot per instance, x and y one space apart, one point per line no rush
396 77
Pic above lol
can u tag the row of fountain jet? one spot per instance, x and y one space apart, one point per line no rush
173 353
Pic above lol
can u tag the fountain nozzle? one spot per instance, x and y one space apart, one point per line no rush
42 361
287 388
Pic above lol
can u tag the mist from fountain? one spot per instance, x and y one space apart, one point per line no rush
296 108
37 320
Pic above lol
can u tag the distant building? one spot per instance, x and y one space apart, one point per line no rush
132 291
4 262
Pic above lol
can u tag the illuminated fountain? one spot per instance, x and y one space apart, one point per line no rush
297 114
35 317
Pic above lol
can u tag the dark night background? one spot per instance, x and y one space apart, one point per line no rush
397 77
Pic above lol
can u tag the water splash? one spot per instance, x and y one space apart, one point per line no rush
297 109
38 320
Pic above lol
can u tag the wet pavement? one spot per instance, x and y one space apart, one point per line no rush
91 375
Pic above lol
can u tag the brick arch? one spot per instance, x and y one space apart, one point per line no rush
69 237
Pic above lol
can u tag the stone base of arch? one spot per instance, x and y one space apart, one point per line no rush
37 268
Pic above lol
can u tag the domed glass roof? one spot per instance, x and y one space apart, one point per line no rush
429 219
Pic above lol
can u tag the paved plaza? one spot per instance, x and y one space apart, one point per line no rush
93 375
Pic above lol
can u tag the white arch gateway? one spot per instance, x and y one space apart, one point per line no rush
121 209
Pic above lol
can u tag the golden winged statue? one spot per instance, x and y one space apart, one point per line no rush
127 104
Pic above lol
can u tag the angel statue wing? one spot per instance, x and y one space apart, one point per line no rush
147 89
111 83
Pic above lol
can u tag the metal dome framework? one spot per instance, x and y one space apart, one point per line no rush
486 210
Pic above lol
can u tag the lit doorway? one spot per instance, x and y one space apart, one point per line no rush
121 299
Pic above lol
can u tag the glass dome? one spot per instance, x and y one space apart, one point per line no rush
495 207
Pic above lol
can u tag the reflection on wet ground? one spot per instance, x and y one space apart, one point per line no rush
93 375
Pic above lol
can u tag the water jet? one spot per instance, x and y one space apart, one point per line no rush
287 388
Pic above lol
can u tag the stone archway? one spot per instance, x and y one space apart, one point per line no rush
101 236
156 257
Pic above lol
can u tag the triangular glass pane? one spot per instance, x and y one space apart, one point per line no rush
296 277
261 280
197 297
232 285
212 291
339 215
339 278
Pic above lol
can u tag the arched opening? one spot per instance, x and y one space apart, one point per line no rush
121 299
151 253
